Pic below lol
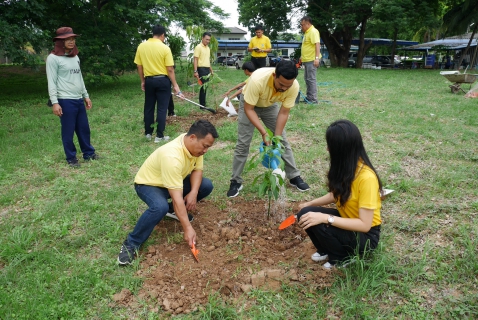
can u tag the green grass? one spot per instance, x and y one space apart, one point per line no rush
61 229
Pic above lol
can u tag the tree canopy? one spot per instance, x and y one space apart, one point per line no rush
110 30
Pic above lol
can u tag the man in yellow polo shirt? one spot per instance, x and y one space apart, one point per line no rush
266 88
173 171
310 55
202 64
156 69
259 45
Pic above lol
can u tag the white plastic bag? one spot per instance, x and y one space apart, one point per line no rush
229 107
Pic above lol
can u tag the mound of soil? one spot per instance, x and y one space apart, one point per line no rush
239 249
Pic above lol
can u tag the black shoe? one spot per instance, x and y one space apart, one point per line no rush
173 215
74 163
171 114
234 189
126 255
94 156
299 184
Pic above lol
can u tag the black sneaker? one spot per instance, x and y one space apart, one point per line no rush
173 215
234 189
299 184
74 163
126 255
94 156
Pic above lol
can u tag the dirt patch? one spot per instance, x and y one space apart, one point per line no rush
240 249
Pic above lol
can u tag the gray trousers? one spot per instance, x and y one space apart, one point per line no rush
245 130
310 77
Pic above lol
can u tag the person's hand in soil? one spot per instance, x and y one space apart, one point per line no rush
190 235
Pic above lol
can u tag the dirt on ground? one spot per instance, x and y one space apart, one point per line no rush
239 249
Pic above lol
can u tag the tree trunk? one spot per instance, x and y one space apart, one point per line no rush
363 47
394 45
338 53
468 46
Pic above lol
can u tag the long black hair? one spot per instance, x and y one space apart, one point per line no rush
345 145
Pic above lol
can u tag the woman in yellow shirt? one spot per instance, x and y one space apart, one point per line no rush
355 188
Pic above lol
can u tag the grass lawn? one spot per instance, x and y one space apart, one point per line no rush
61 228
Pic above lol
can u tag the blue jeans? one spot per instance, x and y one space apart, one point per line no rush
157 91
74 120
157 200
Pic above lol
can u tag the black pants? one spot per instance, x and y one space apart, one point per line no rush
157 91
259 62
338 243
171 106
203 71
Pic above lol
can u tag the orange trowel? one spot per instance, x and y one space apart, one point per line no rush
195 252
288 222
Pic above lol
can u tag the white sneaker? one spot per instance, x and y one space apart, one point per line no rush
328 266
158 140
148 137
319 257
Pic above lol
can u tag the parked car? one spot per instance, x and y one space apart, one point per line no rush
221 59
379 61
285 57
231 61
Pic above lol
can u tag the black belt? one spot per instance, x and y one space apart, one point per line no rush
156 76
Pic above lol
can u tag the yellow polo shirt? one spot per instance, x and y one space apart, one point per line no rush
169 165
261 92
203 53
261 43
154 56
311 37
364 194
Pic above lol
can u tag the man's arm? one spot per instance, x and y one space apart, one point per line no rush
191 198
182 214
317 54
195 66
172 77
141 75
281 120
240 85
254 119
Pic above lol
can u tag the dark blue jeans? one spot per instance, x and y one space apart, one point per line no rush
75 120
157 200
157 91
338 243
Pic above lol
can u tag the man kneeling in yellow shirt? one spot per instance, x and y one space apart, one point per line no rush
173 171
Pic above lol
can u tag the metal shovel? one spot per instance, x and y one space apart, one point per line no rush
197 104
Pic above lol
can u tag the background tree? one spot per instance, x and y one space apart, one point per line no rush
272 14
338 21
460 19
110 30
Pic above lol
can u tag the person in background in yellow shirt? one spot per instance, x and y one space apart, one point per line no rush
268 96
174 171
310 56
202 64
156 69
260 46
248 68
355 188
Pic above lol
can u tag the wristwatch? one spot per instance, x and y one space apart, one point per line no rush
195 71
316 58
330 220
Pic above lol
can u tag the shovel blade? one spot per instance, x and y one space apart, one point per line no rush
195 252
287 222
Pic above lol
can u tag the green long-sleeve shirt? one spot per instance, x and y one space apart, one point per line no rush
64 78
